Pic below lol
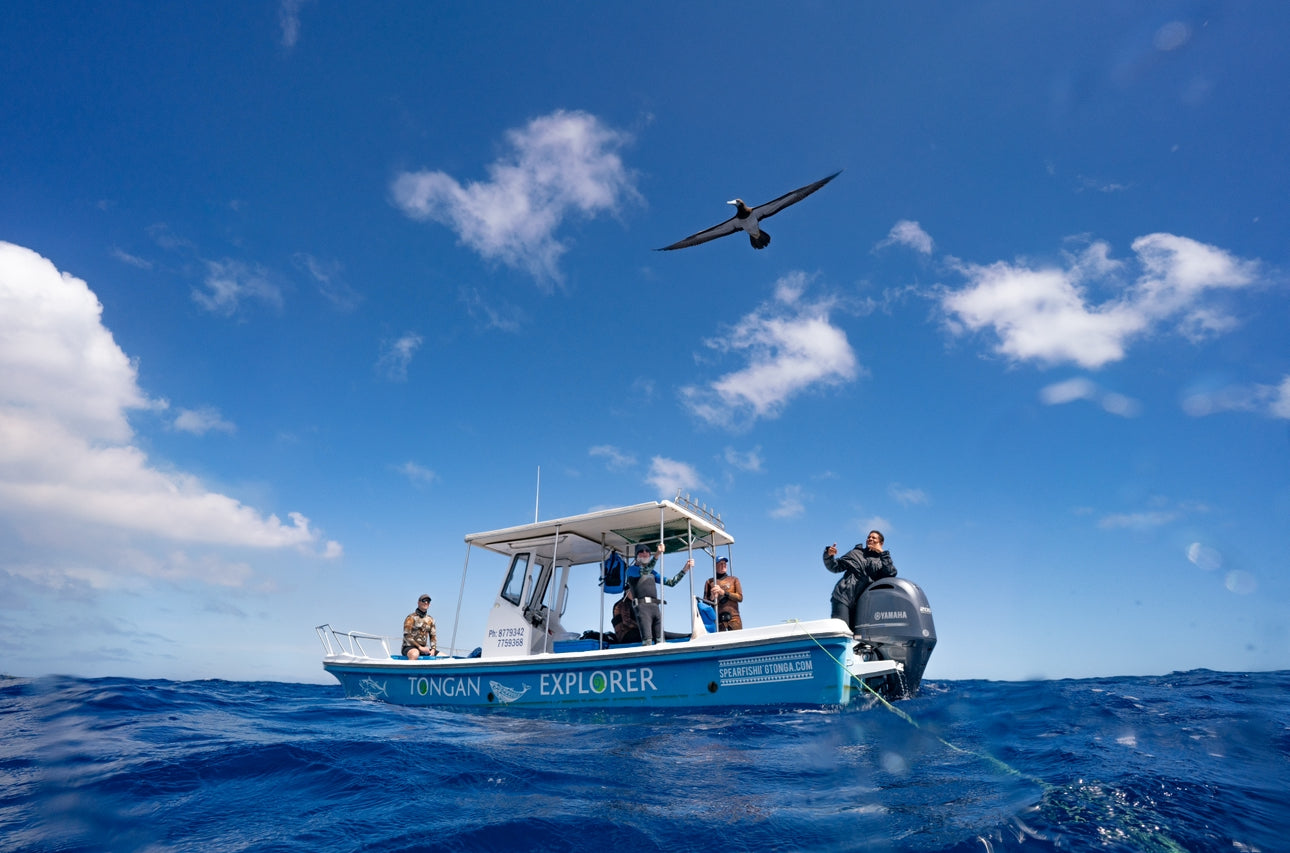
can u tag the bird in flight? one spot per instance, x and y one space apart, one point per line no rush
748 219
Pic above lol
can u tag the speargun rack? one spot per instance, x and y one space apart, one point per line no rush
707 512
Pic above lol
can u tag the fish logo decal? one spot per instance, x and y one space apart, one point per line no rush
371 688
507 695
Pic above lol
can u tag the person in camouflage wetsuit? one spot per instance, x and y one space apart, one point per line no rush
860 566
418 632
725 592
624 620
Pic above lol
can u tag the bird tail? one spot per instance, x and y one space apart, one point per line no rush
760 241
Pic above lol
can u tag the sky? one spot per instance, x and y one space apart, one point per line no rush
295 294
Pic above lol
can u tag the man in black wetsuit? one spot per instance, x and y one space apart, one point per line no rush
860 566
643 580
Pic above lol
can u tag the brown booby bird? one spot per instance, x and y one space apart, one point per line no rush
747 218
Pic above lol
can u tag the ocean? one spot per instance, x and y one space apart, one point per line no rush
1192 761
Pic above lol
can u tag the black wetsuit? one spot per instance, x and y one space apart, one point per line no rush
859 567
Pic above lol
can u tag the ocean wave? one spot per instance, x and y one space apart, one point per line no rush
1187 761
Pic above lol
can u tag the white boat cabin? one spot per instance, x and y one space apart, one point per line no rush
547 556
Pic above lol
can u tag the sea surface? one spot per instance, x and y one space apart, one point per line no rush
1194 761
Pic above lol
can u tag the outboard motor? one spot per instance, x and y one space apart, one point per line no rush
896 620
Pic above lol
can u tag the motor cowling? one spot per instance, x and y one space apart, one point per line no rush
896 619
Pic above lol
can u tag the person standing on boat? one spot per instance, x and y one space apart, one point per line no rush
624 620
860 566
725 592
643 580
418 631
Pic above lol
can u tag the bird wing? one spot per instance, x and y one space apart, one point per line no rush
727 227
770 208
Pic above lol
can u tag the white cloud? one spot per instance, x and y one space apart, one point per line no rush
419 475
133 260
669 476
1137 520
329 277
906 496
491 312
228 283
69 471
1280 404
1045 314
1271 400
397 355
615 459
791 347
203 420
909 234
876 522
791 502
559 164
1160 511
289 20
749 461
1081 388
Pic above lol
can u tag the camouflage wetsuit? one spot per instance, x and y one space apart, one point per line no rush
728 607
418 631
624 621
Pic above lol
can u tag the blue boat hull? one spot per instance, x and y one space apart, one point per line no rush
793 670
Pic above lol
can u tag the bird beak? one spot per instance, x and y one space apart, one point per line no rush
733 201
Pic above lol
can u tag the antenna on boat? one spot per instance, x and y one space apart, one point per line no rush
707 512
537 497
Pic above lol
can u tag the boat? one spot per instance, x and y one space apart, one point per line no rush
529 659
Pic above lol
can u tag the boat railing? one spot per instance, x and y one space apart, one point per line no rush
360 644
352 643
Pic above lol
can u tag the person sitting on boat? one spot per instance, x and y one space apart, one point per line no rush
860 566
418 631
725 592
624 621
643 580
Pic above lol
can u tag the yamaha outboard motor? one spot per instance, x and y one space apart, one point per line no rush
896 620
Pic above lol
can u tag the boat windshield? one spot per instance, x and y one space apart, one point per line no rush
513 589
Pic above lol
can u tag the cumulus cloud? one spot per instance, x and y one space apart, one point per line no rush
1045 313
561 164
69 470
669 476
396 355
790 346
910 235
1082 388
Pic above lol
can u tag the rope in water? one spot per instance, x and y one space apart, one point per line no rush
907 718
1150 838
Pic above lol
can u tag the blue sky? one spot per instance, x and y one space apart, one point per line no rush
294 295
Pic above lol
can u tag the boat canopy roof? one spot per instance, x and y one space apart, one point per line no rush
587 538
